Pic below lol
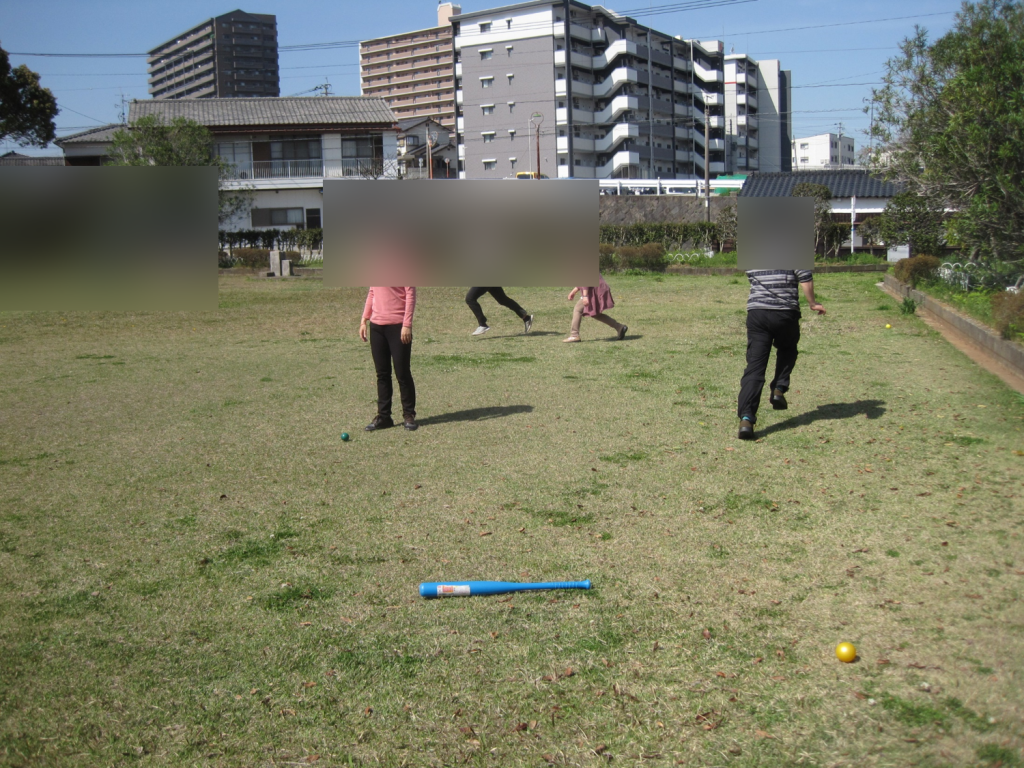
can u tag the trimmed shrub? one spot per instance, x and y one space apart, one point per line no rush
627 257
915 269
1008 312
253 258
652 257
606 259
224 260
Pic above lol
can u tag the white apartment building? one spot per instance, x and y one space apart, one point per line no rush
827 150
616 99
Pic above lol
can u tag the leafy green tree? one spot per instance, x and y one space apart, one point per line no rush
822 210
949 123
182 142
27 110
914 220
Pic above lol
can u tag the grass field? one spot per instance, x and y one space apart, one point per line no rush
195 570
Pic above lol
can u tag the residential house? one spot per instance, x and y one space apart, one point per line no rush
283 148
857 194
16 158
91 147
413 138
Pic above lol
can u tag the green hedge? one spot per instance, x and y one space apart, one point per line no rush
270 239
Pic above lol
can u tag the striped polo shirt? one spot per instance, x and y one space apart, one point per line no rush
776 288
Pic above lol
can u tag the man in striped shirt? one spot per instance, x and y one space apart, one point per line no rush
773 319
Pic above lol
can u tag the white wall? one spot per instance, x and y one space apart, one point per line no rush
284 198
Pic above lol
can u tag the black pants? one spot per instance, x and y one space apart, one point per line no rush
473 300
386 345
767 328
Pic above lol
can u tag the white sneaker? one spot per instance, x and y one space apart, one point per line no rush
481 330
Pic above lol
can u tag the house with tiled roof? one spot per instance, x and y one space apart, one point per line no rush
91 147
283 148
857 193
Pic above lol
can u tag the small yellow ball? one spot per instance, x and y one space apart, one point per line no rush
888 326
845 652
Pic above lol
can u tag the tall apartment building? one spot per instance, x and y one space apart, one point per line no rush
413 72
233 55
757 115
617 99
827 150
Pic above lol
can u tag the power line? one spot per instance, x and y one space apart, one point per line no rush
835 24
696 4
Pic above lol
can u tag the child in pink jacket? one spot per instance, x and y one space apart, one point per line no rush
388 313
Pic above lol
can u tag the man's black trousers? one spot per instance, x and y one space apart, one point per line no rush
767 328
473 300
386 346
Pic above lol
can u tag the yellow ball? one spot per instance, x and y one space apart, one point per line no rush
888 326
845 652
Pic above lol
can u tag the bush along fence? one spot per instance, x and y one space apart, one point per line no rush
672 237
251 247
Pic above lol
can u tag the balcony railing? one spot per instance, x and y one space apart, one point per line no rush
260 170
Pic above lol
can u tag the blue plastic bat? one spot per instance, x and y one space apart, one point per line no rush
468 588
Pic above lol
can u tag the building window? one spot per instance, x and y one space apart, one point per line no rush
486 82
278 217
512 133
512 161
511 107
490 165
508 49
510 76
313 218
486 53
805 146
485 27
488 137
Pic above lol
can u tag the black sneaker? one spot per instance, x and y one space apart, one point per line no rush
410 423
778 400
527 323
380 422
746 429
622 332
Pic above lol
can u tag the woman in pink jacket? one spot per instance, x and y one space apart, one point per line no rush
593 302
388 313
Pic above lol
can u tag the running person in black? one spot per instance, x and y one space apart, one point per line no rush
473 300
773 319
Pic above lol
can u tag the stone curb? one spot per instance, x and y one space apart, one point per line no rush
1008 352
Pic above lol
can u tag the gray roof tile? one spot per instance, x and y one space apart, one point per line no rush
308 110
844 183
102 133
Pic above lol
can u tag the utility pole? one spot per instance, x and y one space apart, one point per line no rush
431 141
707 163
540 119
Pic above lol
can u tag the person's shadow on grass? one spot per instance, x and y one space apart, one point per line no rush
871 409
476 414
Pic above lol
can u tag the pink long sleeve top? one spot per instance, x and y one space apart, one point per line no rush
390 306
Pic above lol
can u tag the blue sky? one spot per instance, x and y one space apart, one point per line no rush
831 65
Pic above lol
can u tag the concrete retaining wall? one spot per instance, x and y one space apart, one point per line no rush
1008 352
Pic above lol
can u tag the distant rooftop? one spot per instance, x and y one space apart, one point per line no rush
98 135
843 183
267 111
16 158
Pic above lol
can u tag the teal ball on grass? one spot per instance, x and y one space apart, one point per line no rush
344 437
